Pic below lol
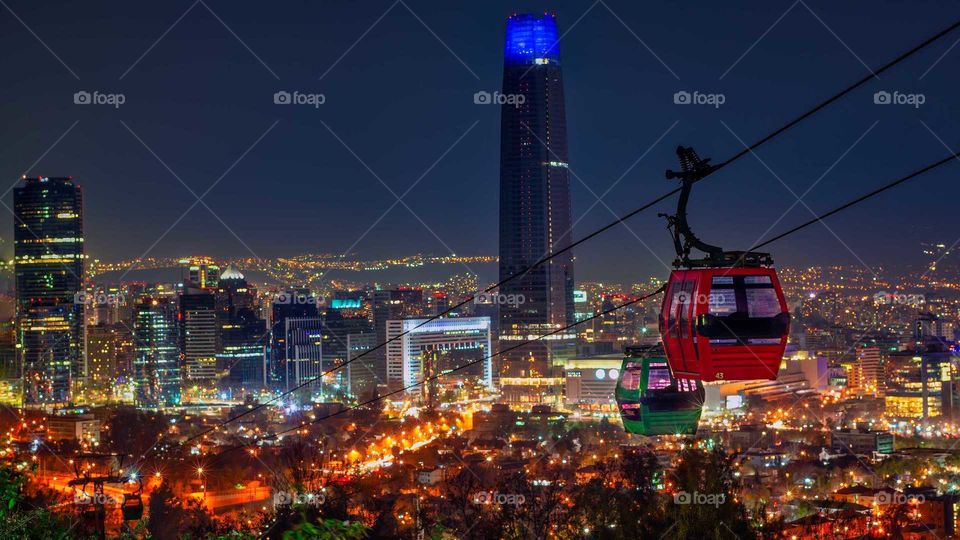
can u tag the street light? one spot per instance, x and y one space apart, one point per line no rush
203 486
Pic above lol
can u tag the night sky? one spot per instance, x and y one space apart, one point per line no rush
400 96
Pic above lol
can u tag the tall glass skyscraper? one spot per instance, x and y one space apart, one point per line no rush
535 213
243 334
156 361
48 257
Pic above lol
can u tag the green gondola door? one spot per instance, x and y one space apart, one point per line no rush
652 402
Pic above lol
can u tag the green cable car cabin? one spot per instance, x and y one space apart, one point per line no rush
651 401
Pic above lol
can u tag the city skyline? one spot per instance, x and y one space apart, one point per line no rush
384 318
615 77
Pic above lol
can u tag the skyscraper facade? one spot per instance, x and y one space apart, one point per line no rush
199 342
535 213
292 303
457 346
156 362
109 355
243 333
304 353
48 257
335 351
366 374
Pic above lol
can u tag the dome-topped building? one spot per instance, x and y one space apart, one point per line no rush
231 272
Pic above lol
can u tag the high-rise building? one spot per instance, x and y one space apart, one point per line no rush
244 349
243 333
430 348
387 305
48 257
109 354
392 304
11 380
289 303
156 363
198 334
200 272
367 375
335 351
303 355
535 213
915 383
104 305
863 375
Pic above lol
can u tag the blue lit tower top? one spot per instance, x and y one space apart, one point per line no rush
531 39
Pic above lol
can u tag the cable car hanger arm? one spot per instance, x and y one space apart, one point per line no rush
692 170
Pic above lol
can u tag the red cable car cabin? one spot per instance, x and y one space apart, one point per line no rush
724 323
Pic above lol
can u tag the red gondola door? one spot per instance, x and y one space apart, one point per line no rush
678 324
742 322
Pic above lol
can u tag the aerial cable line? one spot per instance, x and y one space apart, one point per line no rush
879 190
458 368
844 206
748 149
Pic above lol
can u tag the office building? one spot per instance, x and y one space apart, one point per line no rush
335 351
861 441
368 374
591 382
863 374
48 258
535 213
303 353
198 334
84 428
11 378
426 349
292 303
156 362
915 384
393 304
109 354
242 332
387 305
200 272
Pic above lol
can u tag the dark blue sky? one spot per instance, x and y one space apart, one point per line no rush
400 98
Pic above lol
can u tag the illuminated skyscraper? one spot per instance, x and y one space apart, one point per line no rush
198 334
243 334
386 305
303 354
535 214
336 350
156 362
109 354
200 272
48 254
11 380
293 303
